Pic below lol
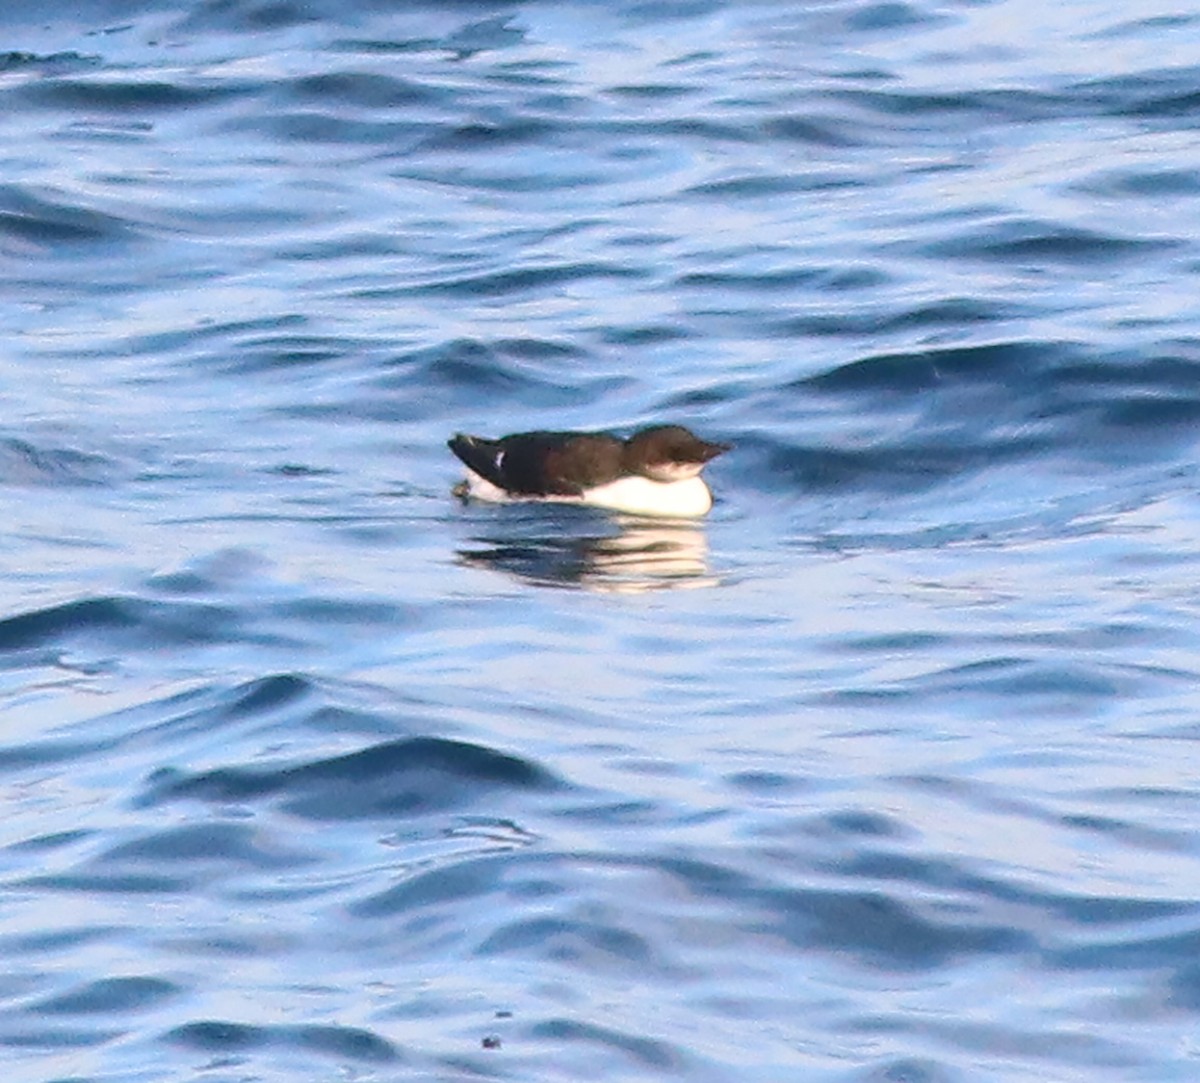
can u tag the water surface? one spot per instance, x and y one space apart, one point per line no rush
886 771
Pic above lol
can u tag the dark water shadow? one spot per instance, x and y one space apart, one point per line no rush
407 777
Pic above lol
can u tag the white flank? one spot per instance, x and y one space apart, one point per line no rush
640 496
633 495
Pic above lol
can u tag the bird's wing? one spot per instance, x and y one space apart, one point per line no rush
542 463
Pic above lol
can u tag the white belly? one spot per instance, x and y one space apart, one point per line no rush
634 495
641 496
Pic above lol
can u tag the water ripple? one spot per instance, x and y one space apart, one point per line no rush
405 777
34 226
341 1043
303 780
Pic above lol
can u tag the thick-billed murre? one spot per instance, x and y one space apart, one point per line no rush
654 472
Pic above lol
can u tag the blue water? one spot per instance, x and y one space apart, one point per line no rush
888 772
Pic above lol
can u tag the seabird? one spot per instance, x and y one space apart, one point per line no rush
656 471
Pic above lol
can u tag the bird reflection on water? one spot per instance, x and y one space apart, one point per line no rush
632 556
